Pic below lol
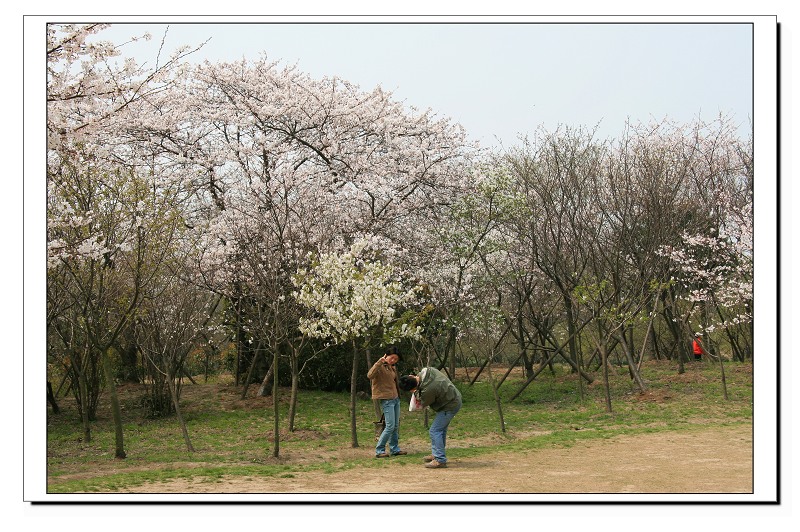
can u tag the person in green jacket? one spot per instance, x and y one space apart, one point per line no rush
434 389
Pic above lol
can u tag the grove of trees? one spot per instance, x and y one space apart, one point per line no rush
247 213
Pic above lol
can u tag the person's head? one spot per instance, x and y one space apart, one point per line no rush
408 383
392 355
698 335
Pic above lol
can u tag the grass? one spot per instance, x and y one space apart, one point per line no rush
233 437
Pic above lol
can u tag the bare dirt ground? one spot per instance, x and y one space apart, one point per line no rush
718 460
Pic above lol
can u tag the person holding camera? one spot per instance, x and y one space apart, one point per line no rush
434 389
383 378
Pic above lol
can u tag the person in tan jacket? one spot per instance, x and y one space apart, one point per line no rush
385 388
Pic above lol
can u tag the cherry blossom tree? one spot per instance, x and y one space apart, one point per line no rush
554 173
716 271
97 213
711 263
352 298
169 326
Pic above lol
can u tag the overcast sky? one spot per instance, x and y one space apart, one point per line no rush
500 80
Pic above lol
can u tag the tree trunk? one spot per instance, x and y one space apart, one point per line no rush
238 341
119 451
262 390
84 389
632 368
675 329
275 406
496 398
295 387
376 404
654 343
51 398
508 372
353 379
736 351
249 376
478 373
724 382
571 331
647 337
452 343
534 374
606 385
174 394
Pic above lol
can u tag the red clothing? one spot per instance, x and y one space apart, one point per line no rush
698 350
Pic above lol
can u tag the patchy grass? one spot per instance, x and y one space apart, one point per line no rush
233 436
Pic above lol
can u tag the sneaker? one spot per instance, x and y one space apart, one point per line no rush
434 464
381 455
429 458
399 453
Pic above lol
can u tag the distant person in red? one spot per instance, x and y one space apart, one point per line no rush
697 346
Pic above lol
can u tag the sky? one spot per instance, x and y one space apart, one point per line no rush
502 80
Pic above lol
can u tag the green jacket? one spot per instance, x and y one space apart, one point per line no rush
436 391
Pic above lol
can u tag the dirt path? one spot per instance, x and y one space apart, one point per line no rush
711 461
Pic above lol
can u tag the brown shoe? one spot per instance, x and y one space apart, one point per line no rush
399 453
429 458
434 464
382 455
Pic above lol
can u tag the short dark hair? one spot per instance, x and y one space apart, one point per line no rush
392 350
408 383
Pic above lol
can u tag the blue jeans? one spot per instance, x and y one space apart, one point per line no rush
391 434
438 432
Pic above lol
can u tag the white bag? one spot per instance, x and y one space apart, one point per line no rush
415 403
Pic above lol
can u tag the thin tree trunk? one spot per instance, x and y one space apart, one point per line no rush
253 363
465 362
571 331
488 360
497 398
647 335
295 386
508 372
174 394
376 404
535 374
675 328
558 350
737 355
64 380
452 344
119 451
579 363
262 390
724 383
238 339
51 398
84 388
632 369
185 373
353 377
606 385
480 370
275 406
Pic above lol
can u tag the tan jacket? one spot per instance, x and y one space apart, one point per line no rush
384 380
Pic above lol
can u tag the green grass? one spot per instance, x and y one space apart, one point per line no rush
233 437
